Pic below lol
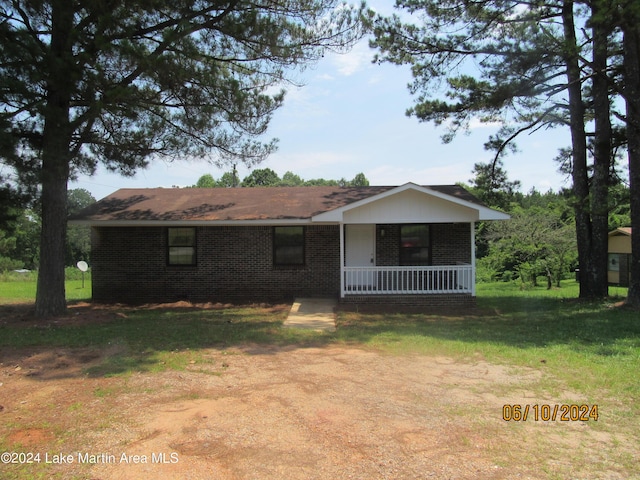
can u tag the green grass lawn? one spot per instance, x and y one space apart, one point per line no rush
21 287
25 291
590 347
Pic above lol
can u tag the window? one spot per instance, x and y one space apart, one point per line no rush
181 244
288 245
415 244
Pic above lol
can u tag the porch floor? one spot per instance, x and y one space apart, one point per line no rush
312 314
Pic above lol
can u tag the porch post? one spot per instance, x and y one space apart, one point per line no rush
473 259
341 260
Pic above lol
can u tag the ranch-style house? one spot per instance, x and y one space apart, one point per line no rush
408 244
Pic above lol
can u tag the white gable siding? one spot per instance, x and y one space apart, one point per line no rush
410 206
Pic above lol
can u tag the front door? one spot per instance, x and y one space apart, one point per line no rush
360 251
360 245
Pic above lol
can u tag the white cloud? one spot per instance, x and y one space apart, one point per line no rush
302 102
475 123
375 79
544 185
326 77
357 59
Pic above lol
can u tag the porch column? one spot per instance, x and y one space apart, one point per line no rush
341 260
473 259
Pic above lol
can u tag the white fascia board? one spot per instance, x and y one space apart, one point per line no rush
491 214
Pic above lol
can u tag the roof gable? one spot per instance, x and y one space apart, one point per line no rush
411 203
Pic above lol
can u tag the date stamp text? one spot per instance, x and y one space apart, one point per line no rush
546 412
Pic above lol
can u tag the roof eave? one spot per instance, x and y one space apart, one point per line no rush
487 214
191 223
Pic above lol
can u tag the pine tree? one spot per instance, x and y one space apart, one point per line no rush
526 66
84 82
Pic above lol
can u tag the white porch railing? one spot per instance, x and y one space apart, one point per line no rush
408 280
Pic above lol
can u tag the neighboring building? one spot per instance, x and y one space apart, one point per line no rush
619 257
409 244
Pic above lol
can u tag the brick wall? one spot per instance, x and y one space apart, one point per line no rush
454 300
387 245
129 264
123 266
451 243
233 264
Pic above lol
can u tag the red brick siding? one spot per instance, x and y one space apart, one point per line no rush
387 245
234 264
428 301
451 243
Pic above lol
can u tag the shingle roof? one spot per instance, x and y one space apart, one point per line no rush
235 204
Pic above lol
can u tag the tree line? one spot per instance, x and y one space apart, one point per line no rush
20 235
540 238
266 177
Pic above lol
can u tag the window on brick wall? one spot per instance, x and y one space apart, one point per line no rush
288 245
181 246
415 244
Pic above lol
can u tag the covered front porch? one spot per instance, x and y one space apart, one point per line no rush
411 243
407 259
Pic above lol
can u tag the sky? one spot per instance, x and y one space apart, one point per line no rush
349 117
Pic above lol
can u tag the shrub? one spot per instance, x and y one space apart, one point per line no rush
8 264
73 273
11 276
508 276
484 272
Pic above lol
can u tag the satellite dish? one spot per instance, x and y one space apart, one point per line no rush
82 265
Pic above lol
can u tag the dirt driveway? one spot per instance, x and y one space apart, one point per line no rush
265 412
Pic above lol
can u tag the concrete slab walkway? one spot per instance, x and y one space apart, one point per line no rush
312 314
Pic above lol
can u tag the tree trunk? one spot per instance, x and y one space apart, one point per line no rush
631 43
602 153
579 170
50 294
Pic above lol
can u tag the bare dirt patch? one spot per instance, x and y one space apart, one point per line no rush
267 412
